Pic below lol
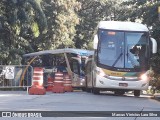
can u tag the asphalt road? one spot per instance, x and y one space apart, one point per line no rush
78 101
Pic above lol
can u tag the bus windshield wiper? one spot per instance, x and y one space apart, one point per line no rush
117 59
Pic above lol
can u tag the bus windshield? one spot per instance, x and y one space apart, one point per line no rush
123 50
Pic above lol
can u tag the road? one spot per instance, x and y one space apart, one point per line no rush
78 101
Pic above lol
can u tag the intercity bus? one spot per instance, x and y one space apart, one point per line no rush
121 60
68 60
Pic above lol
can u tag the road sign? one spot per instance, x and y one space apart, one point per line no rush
9 72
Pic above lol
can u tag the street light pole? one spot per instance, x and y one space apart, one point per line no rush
159 13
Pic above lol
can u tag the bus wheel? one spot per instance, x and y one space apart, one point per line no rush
137 93
95 91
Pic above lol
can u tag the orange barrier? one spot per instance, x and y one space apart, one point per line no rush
67 83
50 84
58 83
37 82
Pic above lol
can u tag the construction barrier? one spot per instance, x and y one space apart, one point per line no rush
58 86
50 84
67 83
37 82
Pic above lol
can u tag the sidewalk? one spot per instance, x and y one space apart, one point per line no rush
156 96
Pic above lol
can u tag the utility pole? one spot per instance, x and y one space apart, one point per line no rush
113 14
159 13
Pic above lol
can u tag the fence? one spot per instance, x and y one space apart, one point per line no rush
15 76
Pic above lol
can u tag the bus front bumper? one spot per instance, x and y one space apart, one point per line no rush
118 84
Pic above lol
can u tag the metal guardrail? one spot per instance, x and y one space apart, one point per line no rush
15 76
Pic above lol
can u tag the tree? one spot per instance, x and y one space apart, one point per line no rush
62 19
22 21
144 11
33 25
91 12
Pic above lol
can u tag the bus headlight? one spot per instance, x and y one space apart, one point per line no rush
144 77
101 73
82 79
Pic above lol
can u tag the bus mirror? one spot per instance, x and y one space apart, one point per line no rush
95 42
154 45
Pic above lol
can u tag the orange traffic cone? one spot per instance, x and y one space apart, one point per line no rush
50 84
67 83
37 82
58 83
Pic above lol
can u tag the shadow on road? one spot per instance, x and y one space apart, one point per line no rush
125 95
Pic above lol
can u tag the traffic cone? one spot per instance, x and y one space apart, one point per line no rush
50 84
37 82
67 83
58 83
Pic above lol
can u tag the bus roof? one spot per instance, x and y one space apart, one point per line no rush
81 52
124 26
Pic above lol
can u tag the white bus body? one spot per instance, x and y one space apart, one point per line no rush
121 59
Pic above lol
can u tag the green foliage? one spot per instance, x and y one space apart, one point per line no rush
62 19
35 29
155 64
65 21
91 12
33 25
20 22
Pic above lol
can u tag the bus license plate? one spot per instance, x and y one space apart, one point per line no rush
123 84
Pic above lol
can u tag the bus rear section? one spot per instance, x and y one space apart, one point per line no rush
66 60
121 59
77 64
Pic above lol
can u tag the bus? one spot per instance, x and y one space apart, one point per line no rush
68 60
121 61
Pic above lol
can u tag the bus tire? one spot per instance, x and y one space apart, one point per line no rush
96 91
137 93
